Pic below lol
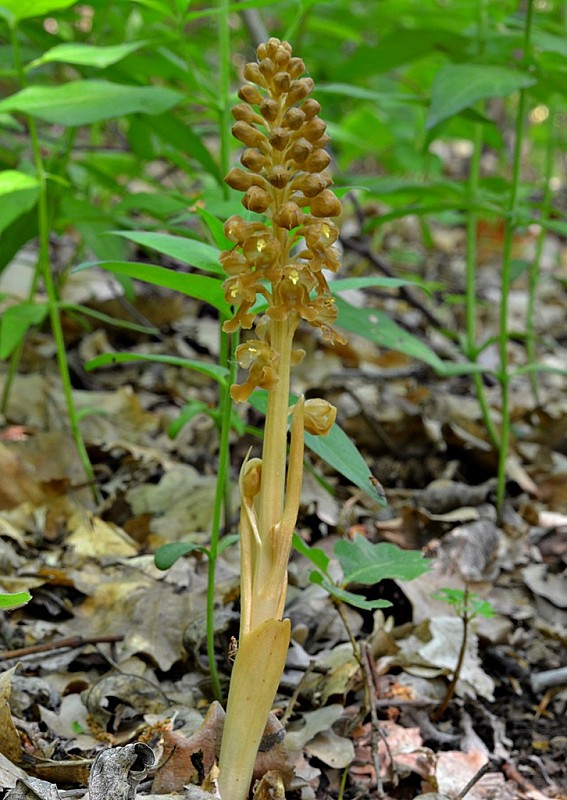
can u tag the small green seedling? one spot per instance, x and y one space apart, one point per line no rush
467 606
362 563
14 600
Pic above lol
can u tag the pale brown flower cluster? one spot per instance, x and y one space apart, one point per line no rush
284 178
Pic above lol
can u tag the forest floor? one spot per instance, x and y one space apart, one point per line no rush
111 651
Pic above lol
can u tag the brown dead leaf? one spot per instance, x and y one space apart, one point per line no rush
10 743
189 759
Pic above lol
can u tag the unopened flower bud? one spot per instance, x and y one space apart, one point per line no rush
242 111
288 216
237 230
299 90
251 477
281 82
313 184
250 94
266 67
241 181
247 134
279 138
253 160
278 176
258 200
300 150
282 58
319 416
310 107
325 205
253 74
269 109
317 161
313 129
293 119
296 67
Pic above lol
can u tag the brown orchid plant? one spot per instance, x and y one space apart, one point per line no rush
282 259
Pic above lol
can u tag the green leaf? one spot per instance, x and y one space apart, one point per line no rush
18 194
341 453
166 555
188 251
345 596
367 563
458 86
378 327
85 102
317 556
87 55
200 287
337 450
14 600
339 285
214 371
15 322
216 228
24 9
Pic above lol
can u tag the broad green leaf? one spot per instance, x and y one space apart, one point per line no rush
201 287
339 285
24 9
341 453
337 450
87 55
214 371
317 556
216 228
189 251
15 322
378 327
85 102
458 86
14 600
345 596
18 194
166 555
367 563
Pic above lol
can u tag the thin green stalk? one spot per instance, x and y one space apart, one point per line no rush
535 267
222 483
224 91
506 279
227 345
44 269
470 282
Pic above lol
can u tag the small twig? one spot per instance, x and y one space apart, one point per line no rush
375 729
293 699
58 644
363 249
548 679
475 778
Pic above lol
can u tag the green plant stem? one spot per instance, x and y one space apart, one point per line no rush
506 275
470 283
221 484
440 710
227 346
44 269
224 92
535 267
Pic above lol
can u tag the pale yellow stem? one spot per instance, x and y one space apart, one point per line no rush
254 682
